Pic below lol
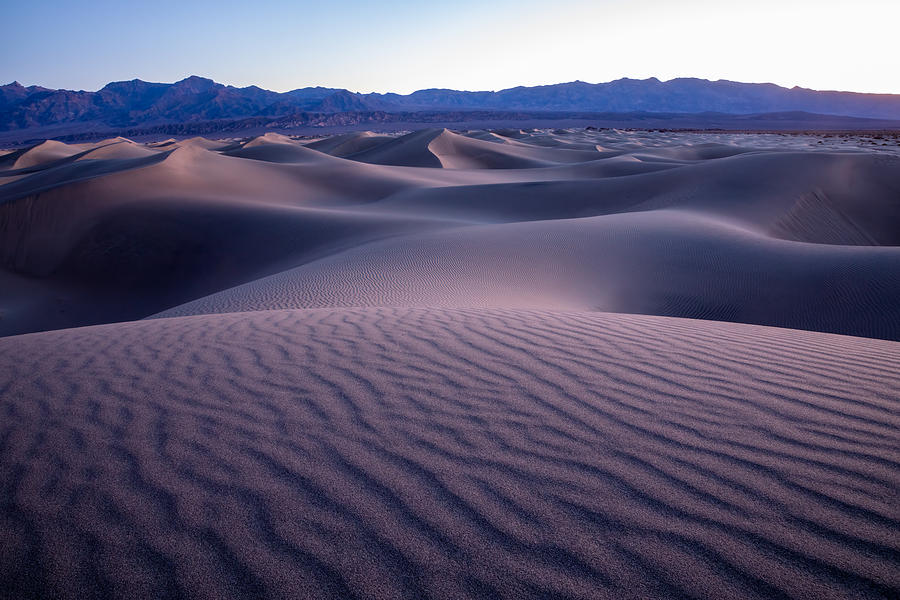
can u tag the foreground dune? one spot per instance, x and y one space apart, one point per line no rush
448 453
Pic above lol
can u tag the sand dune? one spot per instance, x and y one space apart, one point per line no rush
451 365
394 453
661 262
687 226
117 148
272 149
348 143
49 151
443 148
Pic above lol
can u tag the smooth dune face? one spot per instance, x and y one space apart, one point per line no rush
766 229
348 143
451 365
661 262
46 152
387 453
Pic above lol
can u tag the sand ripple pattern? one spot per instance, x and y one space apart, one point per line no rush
448 453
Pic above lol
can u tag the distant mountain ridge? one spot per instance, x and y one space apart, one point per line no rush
195 99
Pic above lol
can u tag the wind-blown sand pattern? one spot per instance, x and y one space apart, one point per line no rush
451 365
448 453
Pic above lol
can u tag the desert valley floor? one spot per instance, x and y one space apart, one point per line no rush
486 364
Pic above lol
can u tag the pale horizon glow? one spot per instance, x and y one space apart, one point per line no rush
402 46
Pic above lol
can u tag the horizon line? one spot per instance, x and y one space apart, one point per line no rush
652 78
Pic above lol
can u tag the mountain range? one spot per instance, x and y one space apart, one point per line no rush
196 99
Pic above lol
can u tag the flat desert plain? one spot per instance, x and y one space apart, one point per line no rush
479 364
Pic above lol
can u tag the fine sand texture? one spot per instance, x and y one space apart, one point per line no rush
475 364
448 453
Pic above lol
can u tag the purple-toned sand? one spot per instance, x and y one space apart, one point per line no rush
509 364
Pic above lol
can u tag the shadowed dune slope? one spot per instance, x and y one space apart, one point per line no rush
348 143
429 453
443 148
45 152
795 231
665 262
828 198
138 259
118 238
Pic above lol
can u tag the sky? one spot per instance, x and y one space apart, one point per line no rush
405 45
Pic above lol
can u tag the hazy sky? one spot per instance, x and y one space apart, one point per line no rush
405 45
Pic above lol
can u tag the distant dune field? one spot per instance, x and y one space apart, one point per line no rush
485 364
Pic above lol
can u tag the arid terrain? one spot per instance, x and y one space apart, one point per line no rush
540 363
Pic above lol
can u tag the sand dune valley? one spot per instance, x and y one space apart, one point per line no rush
542 363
